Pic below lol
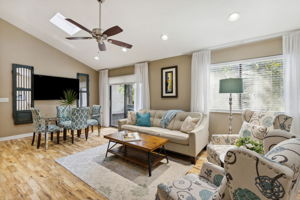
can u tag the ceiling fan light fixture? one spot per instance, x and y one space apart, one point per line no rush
124 49
96 58
234 17
164 37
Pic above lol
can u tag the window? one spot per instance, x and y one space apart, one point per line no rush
263 85
22 93
84 92
59 21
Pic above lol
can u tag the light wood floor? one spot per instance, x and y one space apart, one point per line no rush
30 173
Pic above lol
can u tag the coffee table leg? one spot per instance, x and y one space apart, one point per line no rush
107 149
149 163
164 149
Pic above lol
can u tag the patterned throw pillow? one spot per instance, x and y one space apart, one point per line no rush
189 124
131 117
254 131
263 119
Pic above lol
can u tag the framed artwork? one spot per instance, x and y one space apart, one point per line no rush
169 82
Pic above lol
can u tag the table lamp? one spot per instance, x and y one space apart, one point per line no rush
231 85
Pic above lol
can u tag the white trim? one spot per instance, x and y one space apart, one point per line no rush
14 137
248 60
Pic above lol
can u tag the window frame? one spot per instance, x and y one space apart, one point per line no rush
241 63
87 88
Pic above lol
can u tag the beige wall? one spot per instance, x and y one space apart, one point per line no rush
218 120
122 71
264 48
19 47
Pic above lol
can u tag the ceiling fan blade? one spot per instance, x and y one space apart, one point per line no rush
113 31
101 46
78 25
78 38
119 43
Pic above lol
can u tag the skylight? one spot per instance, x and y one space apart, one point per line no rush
59 21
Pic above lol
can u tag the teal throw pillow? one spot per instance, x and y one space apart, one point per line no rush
143 119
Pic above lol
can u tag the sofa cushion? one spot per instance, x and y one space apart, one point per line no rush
129 127
149 130
143 119
131 117
263 119
189 124
178 120
256 132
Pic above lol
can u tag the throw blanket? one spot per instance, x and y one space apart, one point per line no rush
170 114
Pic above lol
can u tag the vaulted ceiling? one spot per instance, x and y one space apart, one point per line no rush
190 24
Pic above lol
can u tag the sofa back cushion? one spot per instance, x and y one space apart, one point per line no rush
177 121
262 118
155 116
143 119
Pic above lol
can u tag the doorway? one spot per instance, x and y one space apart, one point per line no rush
121 101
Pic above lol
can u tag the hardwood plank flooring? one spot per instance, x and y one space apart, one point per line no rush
30 173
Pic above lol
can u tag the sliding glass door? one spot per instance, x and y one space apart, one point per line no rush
121 101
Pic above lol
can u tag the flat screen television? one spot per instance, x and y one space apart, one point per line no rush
52 88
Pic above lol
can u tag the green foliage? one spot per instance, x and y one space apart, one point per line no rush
250 144
70 96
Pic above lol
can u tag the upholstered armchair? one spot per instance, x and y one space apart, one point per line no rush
265 121
272 176
210 184
95 118
41 127
79 117
64 118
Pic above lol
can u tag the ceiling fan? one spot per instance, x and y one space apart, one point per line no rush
100 36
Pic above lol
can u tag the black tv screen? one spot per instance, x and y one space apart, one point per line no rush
52 88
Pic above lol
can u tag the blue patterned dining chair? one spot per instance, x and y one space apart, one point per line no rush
40 127
64 118
79 117
95 118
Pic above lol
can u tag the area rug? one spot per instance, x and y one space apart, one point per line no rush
118 179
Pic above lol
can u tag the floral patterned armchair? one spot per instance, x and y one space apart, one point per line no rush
270 177
262 121
210 184
95 119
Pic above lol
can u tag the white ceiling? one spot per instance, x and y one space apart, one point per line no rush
190 25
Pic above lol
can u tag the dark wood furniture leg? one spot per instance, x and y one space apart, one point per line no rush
39 140
149 163
33 138
86 133
92 128
58 134
78 133
51 136
72 133
65 134
99 128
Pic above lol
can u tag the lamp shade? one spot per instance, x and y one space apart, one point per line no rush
231 85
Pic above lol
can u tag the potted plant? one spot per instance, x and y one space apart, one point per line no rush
70 96
249 143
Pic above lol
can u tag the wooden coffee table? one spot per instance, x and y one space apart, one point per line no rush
147 152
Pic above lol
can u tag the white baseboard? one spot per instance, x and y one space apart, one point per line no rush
16 136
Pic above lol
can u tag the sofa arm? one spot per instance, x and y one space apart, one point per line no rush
198 138
121 122
274 137
213 173
249 172
224 139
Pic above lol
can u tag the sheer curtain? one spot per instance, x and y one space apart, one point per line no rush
200 81
104 96
291 52
142 93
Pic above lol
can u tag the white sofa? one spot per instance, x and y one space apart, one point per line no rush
189 144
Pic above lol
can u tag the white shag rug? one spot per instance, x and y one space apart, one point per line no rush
118 179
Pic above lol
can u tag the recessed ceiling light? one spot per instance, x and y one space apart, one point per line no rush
96 58
124 49
59 21
164 37
233 17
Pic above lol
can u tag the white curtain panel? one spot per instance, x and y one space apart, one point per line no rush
291 52
104 96
142 93
200 81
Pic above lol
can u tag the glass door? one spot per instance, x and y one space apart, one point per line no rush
121 101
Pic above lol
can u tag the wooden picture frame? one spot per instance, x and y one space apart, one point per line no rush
169 82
